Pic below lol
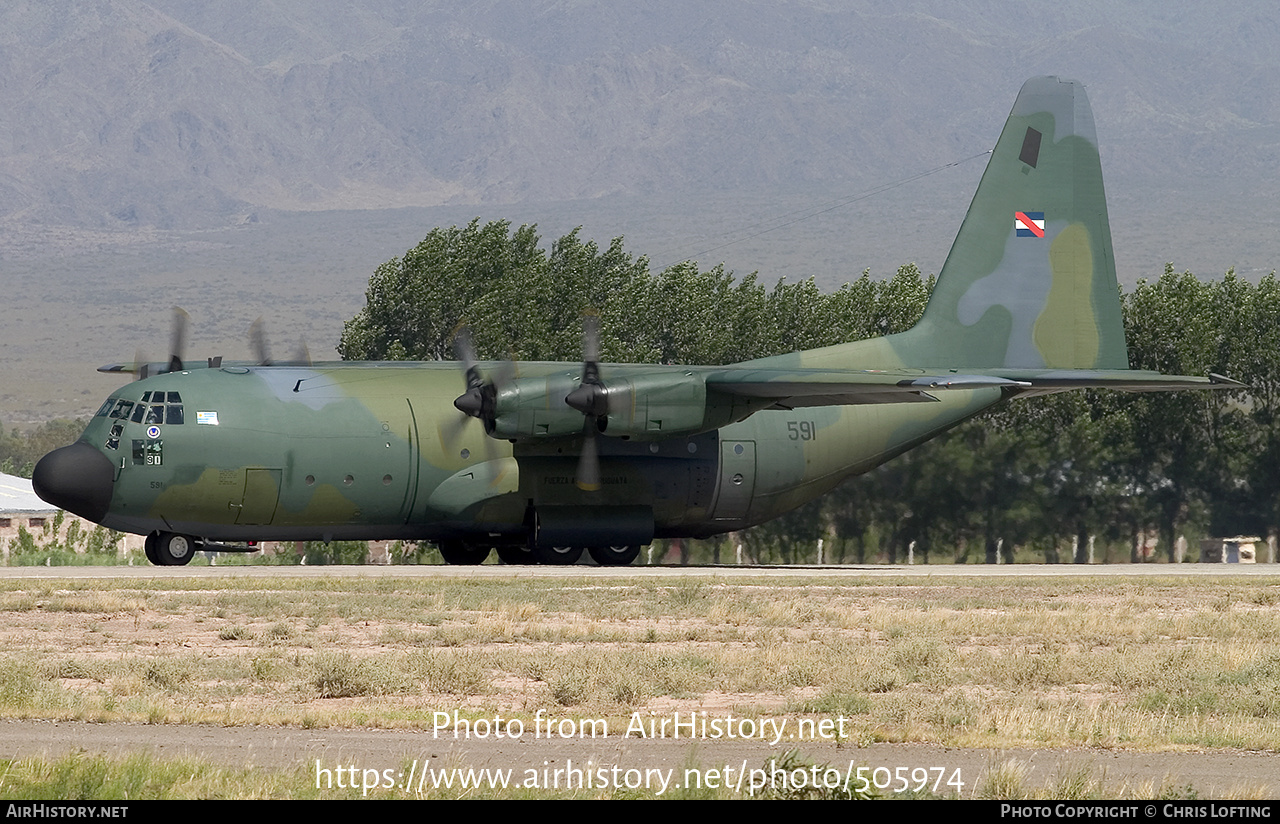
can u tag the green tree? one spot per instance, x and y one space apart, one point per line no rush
1041 470
415 303
1187 443
19 451
1258 365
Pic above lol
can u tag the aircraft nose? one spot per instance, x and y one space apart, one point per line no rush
77 478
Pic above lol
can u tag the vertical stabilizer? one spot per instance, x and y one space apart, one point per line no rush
1030 281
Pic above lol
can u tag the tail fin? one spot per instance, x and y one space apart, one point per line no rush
1030 281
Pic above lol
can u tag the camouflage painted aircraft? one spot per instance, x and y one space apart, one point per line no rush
544 460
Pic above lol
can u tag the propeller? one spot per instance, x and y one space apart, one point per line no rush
258 342
591 398
480 398
142 368
262 348
178 338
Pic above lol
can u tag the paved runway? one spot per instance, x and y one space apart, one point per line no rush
495 571
321 752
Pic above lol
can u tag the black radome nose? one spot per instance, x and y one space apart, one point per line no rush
77 478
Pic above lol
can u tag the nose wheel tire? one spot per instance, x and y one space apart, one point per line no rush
614 555
460 554
172 549
558 555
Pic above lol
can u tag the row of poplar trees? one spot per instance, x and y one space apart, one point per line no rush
1045 475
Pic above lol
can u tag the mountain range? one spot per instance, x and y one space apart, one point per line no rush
262 157
189 114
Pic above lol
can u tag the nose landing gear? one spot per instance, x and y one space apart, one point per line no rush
170 549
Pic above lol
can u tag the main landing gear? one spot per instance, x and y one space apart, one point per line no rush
463 554
170 549
614 555
460 553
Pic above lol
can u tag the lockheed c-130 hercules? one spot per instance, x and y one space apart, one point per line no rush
601 457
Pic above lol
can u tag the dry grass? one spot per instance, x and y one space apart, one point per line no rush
1147 664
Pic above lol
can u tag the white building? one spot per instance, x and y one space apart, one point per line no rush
21 508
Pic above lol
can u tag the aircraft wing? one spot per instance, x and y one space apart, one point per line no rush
793 388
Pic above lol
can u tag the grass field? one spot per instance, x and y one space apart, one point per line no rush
1151 664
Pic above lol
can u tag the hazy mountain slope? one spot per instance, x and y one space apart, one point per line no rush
180 113
160 153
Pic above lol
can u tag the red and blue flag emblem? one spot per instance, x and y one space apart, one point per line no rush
1029 224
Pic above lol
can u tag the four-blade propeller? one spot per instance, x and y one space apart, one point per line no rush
480 398
591 397
143 368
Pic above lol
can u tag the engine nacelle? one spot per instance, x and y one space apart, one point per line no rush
656 405
534 409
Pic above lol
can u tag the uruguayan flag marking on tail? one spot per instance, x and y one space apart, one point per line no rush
1029 224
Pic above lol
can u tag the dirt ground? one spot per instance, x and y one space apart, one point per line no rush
719 740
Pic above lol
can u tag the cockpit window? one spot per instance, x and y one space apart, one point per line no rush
157 408
122 409
113 440
105 408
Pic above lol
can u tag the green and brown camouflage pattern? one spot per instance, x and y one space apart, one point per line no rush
378 451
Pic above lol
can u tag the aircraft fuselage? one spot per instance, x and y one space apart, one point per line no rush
565 456
379 452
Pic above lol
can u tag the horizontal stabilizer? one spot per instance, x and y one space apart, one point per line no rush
1124 380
